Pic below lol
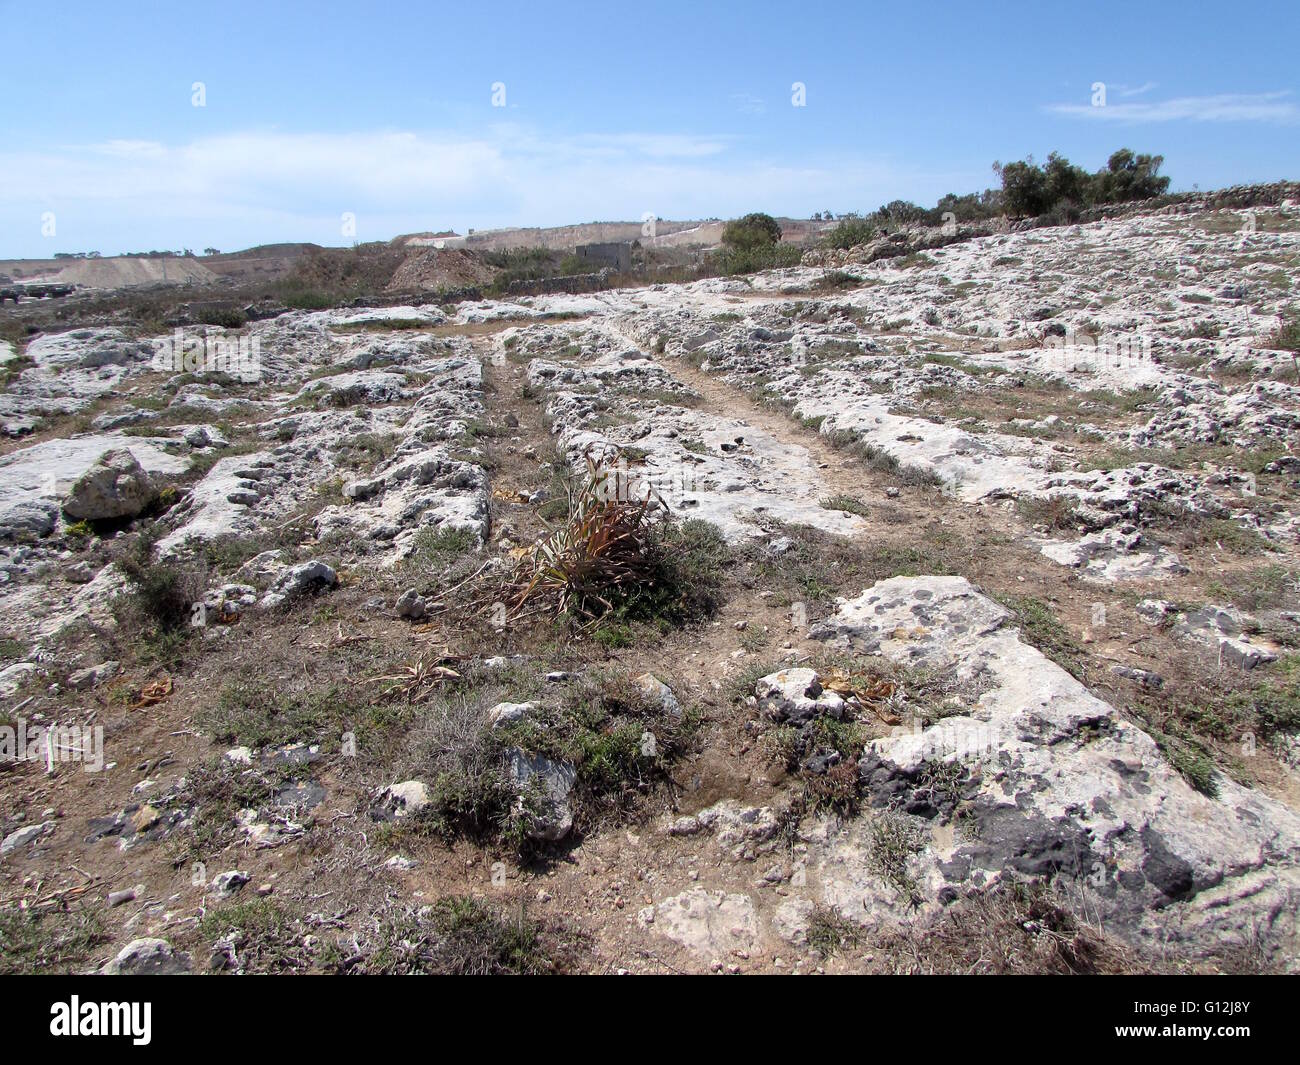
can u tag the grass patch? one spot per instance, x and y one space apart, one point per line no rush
1190 530
1040 627
258 714
881 461
1255 589
817 566
848 504
895 839
12 650
48 941
366 450
829 933
1286 337
1206 720
461 936
266 938
437 553
1012 928
1055 511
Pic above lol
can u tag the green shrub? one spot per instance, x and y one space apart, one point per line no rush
226 317
850 231
758 257
160 595
755 230
1030 190
308 300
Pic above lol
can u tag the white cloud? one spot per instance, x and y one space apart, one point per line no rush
260 186
1225 107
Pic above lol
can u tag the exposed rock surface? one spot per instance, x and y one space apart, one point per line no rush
148 957
544 788
1051 411
116 486
711 924
1055 783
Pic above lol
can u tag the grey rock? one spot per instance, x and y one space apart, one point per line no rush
1242 655
148 957
298 581
656 691
398 801
510 713
544 788
1055 784
229 883
1144 677
116 486
92 675
796 696
411 605
23 836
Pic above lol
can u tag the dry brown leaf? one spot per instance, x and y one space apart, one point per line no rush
153 693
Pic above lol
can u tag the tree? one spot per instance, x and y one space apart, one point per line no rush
1066 183
901 212
755 230
971 207
1024 188
1129 176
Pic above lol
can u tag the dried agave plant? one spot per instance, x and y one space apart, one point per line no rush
598 556
865 690
419 679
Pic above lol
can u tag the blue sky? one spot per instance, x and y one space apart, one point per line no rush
681 109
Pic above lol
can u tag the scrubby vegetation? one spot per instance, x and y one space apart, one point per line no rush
754 230
1058 188
612 555
531 264
620 741
159 602
456 935
1287 335
1031 190
754 243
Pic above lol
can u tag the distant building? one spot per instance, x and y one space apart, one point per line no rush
617 255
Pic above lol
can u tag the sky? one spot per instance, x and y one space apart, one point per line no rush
139 126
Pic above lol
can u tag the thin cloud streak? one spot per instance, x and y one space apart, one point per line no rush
1225 107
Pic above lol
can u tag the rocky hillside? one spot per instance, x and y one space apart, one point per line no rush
924 611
